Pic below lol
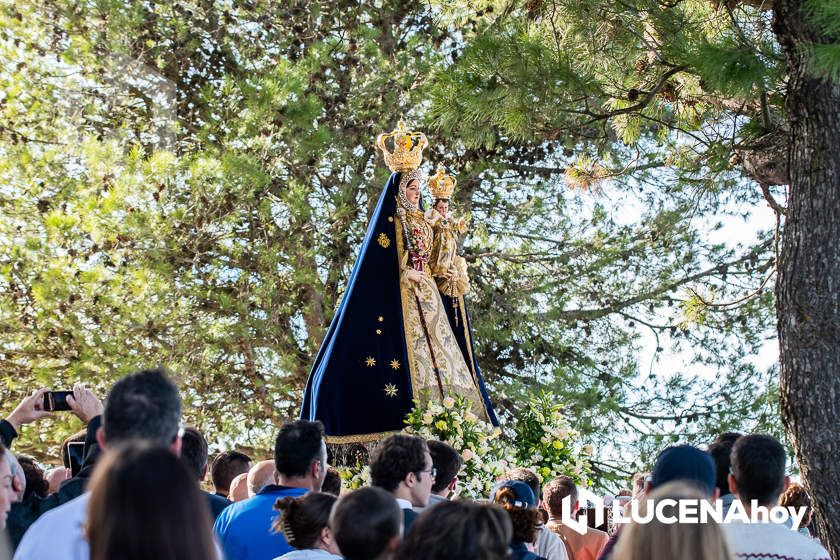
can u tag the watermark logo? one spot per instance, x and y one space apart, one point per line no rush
684 511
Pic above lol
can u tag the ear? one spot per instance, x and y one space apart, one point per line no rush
453 484
715 494
648 487
410 479
176 446
100 437
733 486
787 483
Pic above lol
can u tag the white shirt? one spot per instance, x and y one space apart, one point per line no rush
58 534
767 541
404 504
549 545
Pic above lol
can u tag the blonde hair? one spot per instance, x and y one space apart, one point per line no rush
660 541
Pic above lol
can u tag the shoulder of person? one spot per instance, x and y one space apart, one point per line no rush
57 533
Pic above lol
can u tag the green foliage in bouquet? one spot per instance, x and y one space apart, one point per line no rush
544 441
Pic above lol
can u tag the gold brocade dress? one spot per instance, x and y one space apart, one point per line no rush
448 268
429 339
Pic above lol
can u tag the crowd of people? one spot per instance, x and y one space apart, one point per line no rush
137 494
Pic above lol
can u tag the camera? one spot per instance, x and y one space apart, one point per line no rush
56 400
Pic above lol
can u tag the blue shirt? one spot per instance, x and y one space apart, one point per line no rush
244 528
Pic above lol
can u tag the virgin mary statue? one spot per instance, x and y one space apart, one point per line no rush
391 341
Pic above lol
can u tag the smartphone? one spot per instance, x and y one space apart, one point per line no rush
76 453
56 400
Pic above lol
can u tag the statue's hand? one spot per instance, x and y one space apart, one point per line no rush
414 275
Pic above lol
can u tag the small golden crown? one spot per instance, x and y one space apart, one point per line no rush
442 185
408 148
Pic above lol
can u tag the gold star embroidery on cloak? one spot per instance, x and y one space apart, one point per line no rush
370 361
380 318
384 240
395 364
390 218
378 331
391 390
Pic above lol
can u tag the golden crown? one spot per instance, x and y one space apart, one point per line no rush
407 152
442 185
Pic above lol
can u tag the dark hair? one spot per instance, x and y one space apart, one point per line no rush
226 466
332 482
524 520
79 436
720 452
144 405
302 519
557 489
194 451
728 437
144 503
297 444
36 482
459 530
447 461
395 457
364 522
758 464
527 476
796 496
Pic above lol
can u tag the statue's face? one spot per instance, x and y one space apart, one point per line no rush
442 206
412 191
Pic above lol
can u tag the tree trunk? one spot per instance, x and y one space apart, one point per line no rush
808 288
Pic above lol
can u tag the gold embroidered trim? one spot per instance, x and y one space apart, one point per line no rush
468 339
384 241
404 300
358 438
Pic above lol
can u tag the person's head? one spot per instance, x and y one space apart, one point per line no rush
194 452
795 496
366 524
18 476
688 464
332 482
555 491
304 521
527 476
144 503
459 530
518 500
727 437
300 455
659 540
144 405
227 466
261 475
720 452
7 492
402 465
447 463
239 488
442 206
758 469
36 481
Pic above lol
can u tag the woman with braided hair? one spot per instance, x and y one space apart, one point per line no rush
303 521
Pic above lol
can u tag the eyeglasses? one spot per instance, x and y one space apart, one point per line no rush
432 473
